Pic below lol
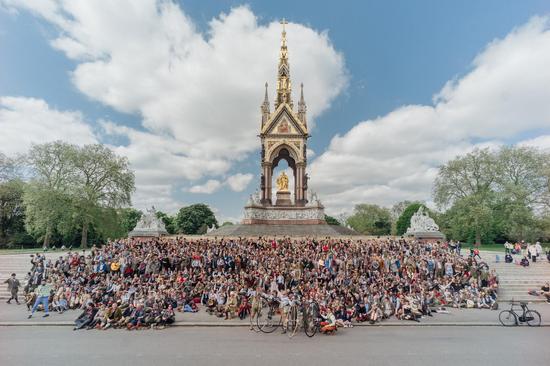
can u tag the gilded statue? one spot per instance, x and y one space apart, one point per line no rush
282 182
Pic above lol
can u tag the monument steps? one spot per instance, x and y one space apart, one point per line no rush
19 264
515 281
265 230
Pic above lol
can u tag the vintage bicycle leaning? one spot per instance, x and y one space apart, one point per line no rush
510 318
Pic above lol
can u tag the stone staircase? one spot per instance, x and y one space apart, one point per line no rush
19 264
300 231
515 280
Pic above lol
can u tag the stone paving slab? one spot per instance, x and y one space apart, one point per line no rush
13 315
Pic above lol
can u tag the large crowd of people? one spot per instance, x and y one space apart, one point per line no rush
135 283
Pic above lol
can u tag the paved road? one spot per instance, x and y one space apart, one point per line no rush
237 346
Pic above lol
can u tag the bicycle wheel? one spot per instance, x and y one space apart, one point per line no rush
508 318
267 319
532 318
292 324
310 325
254 321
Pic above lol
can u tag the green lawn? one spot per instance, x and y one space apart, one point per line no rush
498 247
27 251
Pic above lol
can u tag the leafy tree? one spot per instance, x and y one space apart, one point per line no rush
12 211
370 219
470 181
404 220
169 222
103 180
398 208
495 194
46 197
195 219
331 220
471 220
7 168
129 218
227 223
522 175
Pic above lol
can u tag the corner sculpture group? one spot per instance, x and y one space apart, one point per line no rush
136 283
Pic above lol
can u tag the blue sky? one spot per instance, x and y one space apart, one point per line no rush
392 54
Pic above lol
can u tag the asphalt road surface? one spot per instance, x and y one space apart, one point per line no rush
237 346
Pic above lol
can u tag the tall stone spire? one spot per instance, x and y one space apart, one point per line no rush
284 86
302 109
265 108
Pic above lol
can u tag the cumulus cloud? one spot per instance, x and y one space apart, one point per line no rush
239 181
197 93
396 156
24 121
540 142
211 186
204 90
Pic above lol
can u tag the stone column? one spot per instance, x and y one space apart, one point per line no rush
266 189
268 183
299 199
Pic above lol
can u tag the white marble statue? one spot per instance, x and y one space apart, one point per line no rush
421 222
149 220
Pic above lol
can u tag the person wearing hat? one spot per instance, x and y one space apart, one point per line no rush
13 288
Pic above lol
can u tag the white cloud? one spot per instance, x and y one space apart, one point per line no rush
158 195
239 181
24 121
541 142
198 94
202 90
395 157
211 186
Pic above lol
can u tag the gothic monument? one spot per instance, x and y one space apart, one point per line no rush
283 135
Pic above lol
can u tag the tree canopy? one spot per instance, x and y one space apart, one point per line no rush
195 219
370 219
494 194
331 220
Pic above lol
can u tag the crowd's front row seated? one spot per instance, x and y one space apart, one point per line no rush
134 283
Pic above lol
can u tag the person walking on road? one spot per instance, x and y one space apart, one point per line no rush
42 296
13 288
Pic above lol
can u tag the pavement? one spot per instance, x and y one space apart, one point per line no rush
16 315
394 346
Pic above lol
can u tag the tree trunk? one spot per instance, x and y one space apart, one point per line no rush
84 240
478 239
46 243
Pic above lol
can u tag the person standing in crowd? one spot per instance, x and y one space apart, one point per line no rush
13 288
43 292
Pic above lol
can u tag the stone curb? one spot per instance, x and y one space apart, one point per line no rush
223 324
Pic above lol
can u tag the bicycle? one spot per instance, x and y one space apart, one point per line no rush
306 315
311 318
509 318
292 322
267 318
255 308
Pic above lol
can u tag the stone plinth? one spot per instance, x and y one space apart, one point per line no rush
428 235
281 215
144 233
283 198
